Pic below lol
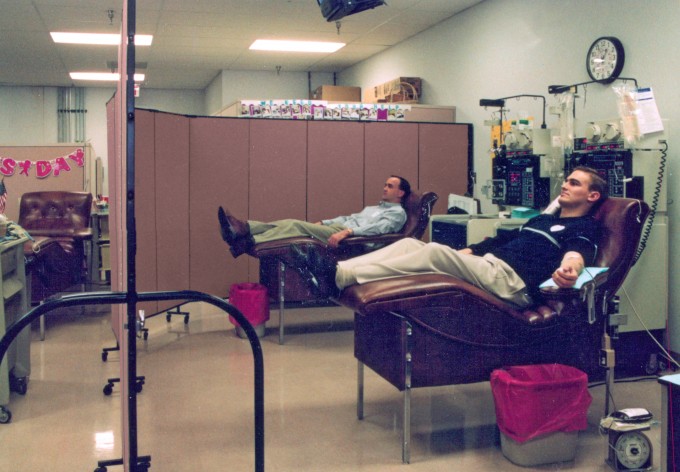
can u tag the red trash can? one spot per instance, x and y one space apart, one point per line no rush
539 410
253 301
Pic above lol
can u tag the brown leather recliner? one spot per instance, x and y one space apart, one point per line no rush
59 223
431 330
285 285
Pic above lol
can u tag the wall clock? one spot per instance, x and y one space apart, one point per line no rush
605 59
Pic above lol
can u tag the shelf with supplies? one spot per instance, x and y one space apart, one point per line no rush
16 366
100 261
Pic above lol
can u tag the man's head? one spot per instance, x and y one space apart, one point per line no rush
581 190
396 189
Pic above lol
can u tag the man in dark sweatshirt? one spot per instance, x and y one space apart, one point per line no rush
510 266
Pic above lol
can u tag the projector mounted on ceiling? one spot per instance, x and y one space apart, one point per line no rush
334 10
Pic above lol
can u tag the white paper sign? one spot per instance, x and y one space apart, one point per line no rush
649 120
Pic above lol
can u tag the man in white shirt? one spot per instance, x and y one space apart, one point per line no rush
388 216
511 265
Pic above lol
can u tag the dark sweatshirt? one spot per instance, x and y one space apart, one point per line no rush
536 249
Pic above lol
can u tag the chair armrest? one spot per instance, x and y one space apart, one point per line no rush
573 301
382 239
82 234
569 293
347 247
357 245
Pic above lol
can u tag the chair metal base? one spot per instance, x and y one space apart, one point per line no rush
406 410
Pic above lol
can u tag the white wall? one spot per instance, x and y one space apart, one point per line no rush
507 47
186 102
264 85
28 115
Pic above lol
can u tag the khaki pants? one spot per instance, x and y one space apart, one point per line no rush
281 229
410 256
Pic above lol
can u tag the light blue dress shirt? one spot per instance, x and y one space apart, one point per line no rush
383 218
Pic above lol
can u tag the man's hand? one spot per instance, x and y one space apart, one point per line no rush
335 238
465 250
570 268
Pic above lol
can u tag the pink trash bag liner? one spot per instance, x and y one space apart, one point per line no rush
536 400
252 300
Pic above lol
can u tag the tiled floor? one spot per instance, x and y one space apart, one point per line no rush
196 408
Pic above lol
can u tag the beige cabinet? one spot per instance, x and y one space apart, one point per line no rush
17 361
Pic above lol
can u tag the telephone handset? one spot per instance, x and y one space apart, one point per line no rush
553 207
632 415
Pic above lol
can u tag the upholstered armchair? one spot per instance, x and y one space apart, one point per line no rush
59 223
431 330
285 285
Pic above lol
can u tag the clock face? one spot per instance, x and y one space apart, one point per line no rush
605 59
633 450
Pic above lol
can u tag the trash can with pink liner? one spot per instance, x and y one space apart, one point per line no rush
539 410
252 300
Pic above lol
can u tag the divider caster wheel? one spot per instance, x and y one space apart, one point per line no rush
18 385
105 356
5 415
108 390
139 385
100 469
168 317
186 319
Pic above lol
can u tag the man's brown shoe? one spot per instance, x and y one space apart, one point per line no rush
231 228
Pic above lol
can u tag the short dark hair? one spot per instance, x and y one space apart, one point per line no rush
597 183
404 186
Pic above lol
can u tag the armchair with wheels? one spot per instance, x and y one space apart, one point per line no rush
432 330
285 284
59 223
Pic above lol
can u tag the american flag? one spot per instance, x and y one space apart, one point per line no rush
3 196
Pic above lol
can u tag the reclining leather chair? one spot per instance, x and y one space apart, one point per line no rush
431 330
59 223
286 285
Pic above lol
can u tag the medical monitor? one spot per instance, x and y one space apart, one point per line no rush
334 10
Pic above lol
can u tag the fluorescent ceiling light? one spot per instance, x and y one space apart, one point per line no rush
295 46
102 76
95 38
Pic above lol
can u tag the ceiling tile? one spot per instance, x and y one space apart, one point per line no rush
195 39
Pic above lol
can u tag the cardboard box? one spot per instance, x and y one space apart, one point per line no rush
432 114
337 93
